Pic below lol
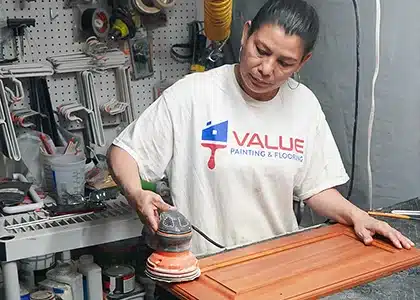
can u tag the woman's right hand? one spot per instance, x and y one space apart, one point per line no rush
148 205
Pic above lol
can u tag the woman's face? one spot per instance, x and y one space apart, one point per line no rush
268 58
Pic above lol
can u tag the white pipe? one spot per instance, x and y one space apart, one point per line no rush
372 109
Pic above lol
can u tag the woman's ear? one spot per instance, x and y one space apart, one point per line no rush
245 32
307 57
304 60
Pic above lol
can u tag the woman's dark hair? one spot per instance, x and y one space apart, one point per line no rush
294 16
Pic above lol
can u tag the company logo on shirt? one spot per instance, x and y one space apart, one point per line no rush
214 137
266 146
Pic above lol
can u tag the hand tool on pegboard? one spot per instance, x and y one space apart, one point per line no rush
40 101
193 51
18 26
141 55
6 35
122 25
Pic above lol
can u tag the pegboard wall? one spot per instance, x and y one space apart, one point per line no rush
53 34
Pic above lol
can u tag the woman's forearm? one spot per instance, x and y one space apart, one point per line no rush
124 171
331 204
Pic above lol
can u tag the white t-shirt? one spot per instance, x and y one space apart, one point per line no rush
263 153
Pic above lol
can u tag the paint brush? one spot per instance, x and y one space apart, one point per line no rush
407 212
391 215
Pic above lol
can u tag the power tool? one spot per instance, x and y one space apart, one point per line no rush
173 261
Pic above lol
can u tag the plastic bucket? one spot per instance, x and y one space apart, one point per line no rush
64 174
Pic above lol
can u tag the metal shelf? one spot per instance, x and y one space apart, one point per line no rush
28 235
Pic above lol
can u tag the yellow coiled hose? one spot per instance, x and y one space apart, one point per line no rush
217 19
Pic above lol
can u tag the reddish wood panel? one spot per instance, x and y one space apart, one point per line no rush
306 265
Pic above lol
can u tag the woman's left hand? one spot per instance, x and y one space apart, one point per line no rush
365 227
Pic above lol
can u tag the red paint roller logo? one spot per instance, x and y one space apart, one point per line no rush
214 137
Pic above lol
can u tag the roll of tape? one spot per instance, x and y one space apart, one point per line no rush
95 21
164 3
145 6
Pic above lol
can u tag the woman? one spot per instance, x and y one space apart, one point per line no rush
237 142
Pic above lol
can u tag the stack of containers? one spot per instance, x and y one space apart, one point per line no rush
63 174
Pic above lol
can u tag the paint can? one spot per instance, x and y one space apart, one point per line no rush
43 295
24 293
119 279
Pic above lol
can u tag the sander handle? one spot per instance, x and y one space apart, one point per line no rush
148 186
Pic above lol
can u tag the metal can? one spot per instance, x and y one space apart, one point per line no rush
119 279
43 295
24 293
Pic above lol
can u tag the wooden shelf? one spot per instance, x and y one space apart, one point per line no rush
306 265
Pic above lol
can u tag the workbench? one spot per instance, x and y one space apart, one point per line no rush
401 285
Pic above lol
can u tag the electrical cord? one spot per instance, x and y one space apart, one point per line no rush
372 109
207 237
356 101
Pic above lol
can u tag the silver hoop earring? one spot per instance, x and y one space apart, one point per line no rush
296 74
240 53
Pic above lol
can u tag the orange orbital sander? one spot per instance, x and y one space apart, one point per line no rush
173 261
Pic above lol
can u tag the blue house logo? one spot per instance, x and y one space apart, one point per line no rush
215 133
214 137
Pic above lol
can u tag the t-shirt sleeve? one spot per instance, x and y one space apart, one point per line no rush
149 140
324 168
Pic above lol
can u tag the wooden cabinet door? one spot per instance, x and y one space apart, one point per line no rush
306 265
